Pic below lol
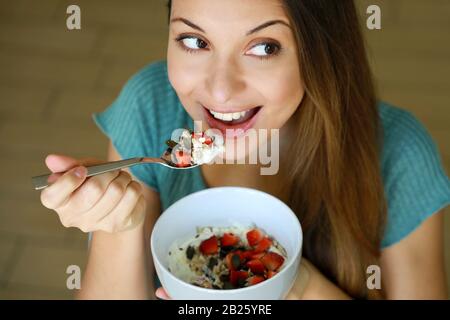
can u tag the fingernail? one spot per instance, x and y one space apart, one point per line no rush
80 172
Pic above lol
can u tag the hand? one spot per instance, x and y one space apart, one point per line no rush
311 284
110 202
302 281
162 294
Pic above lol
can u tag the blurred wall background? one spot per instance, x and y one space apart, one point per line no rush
53 79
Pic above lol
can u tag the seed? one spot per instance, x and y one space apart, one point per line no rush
190 252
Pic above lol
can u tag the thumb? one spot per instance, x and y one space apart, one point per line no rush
60 163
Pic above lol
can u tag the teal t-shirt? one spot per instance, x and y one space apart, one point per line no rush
147 110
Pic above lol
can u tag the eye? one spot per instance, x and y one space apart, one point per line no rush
192 43
265 49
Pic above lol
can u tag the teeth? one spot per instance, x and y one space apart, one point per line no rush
228 116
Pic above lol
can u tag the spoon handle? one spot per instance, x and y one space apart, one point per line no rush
41 182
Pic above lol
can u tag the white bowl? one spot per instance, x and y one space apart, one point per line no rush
223 207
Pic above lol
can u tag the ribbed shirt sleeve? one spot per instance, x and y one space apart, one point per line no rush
416 185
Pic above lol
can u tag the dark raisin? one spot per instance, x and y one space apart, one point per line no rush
171 143
241 282
227 285
224 251
212 262
216 287
222 254
224 278
228 249
190 252
170 253
235 261
197 236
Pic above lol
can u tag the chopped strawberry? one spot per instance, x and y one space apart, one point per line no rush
270 274
238 277
272 261
247 254
263 245
254 237
208 140
229 240
255 280
183 158
258 255
233 260
209 246
256 266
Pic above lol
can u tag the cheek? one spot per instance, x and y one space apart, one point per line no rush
184 81
183 71
180 78
283 95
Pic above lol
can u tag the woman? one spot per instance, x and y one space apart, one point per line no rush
363 177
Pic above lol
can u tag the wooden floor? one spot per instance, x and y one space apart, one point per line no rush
52 80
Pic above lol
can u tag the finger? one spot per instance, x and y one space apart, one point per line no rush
136 217
128 205
162 294
59 192
114 193
92 190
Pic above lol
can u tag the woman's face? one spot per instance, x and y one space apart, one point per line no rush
234 64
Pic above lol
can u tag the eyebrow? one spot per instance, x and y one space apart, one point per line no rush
254 30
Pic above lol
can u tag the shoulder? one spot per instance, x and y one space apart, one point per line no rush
402 130
407 144
147 105
150 87
415 182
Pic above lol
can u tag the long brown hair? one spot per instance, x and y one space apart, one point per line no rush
335 184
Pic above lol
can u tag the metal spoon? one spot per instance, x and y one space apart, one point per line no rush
43 181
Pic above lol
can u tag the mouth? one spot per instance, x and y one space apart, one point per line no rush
232 124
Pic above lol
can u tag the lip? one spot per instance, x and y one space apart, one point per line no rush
238 129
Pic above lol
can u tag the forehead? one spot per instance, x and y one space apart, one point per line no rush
241 14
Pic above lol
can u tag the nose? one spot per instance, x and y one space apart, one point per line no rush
224 82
